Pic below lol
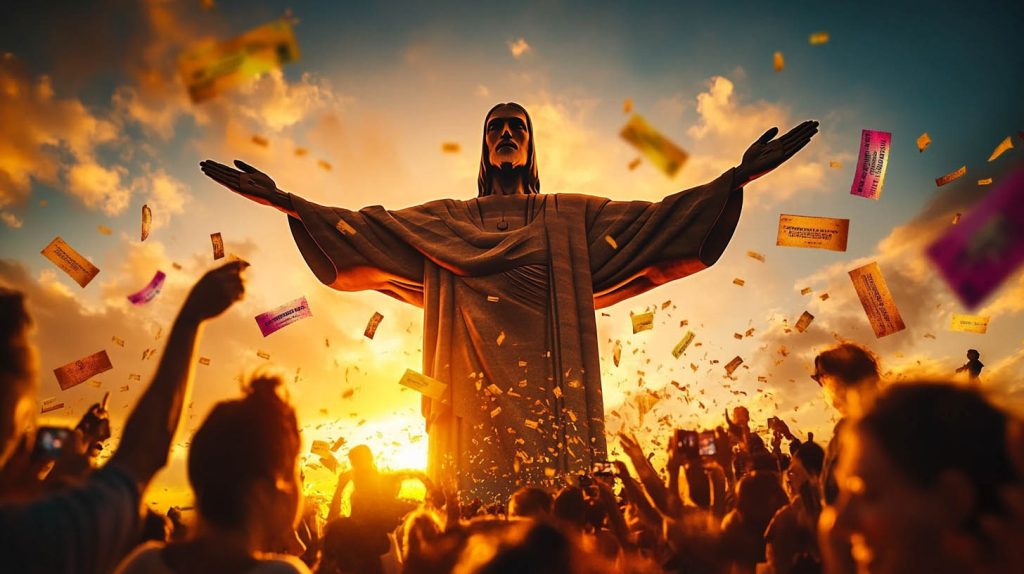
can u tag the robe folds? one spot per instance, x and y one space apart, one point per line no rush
509 316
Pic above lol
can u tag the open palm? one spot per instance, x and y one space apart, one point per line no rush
766 153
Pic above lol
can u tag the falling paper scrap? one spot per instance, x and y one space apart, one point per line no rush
51 406
117 341
320 447
634 164
104 230
823 297
778 61
876 299
738 281
818 38
329 462
427 386
345 228
969 323
450 147
871 164
70 261
301 151
1002 147
260 141
212 67
204 361
218 245
642 321
803 322
149 292
500 339
835 164
147 221
806 291
664 154
324 164
755 255
951 176
611 241
263 355
371 326
813 232
283 316
683 344
627 106
956 218
986 181
923 141
77 372
617 352
733 365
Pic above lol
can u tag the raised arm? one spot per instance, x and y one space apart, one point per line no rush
147 436
250 183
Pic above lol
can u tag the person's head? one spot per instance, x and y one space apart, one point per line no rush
570 507
420 530
18 364
849 375
918 471
806 465
508 148
243 463
758 496
740 416
530 502
361 458
973 354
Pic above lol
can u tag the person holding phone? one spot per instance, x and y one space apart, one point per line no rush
98 521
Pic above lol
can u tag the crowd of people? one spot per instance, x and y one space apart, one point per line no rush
917 477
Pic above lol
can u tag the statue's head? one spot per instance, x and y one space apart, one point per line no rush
508 147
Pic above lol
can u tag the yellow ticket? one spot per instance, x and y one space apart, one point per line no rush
813 232
642 321
427 386
212 67
683 343
969 323
70 261
658 149
876 299
951 176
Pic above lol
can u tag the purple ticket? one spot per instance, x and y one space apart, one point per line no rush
978 254
283 316
149 291
871 164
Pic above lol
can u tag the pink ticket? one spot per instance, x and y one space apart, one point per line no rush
987 246
871 164
283 316
149 291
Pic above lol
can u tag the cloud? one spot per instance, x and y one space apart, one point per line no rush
166 196
273 104
10 220
518 47
98 186
728 126
46 136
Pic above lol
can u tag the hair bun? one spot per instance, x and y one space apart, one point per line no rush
266 388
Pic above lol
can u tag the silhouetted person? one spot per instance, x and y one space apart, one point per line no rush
792 535
973 366
530 502
925 471
519 265
759 495
90 527
243 468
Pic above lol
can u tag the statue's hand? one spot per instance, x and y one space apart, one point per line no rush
766 154
250 182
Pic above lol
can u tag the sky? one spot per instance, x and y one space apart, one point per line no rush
96 122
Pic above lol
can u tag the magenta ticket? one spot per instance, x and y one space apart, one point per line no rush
283 316
149 291
871 164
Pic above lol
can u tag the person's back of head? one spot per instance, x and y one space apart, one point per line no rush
530 502
849 373
361 458
17 371
420 530
527 546
242 462
758 496
570 507
929 428
811 456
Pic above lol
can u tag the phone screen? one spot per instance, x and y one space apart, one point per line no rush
687 443
50 442
603 468
707 444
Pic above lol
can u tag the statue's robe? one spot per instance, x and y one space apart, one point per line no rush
509 315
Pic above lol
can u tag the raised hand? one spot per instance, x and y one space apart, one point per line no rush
216 291
766 153
249 182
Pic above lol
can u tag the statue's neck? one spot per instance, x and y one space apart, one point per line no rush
507 183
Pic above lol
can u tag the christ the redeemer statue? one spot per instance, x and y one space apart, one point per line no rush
508 283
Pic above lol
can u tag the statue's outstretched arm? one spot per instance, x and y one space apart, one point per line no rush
250 183
766 154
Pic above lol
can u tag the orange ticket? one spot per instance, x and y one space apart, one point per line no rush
77 372
951 176
70 261
427 386
876 299
813 232
969 323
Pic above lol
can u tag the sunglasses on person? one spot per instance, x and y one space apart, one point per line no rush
817 375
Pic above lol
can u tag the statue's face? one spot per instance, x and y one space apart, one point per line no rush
508 138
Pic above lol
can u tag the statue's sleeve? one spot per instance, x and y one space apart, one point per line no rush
635 246
357 250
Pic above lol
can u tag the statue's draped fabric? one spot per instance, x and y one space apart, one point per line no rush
509 315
